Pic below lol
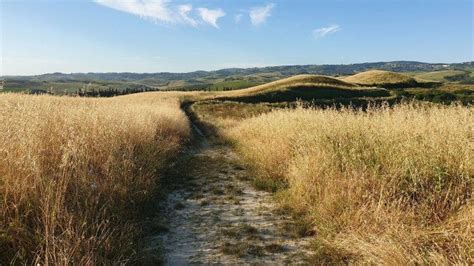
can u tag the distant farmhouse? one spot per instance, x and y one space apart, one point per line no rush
2 83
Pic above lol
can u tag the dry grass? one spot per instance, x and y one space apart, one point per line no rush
451 87
380 78
305 87
226 114
439 76
385 186
72 170
295 81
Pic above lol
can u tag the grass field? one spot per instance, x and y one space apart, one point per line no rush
388 185
445 94
446 76
73 171
385 186
232 85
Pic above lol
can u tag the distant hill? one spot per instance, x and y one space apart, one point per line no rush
397 66
224 79
304 87
445 76
298 80
382 78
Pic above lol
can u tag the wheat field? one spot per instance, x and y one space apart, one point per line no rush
389 185
72 170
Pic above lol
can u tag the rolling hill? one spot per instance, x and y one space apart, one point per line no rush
224 79
382 78
459 76
304 87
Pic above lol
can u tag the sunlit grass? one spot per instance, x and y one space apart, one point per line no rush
72 170
386 185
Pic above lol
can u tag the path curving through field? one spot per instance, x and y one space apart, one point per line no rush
215 215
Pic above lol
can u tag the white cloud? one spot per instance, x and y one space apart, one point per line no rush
259 15
163 11
184 11
322 32
211 16
156 10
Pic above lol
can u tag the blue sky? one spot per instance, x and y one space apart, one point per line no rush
44 36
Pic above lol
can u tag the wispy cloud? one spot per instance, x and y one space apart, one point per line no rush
211 16
238 18
259 15
163 11
322 32
183 11
156 10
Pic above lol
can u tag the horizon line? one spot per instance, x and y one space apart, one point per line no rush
227 68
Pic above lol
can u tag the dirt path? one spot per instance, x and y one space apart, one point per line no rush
214 215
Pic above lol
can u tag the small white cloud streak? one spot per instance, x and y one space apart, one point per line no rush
322 32
183 11
155 10
163 11
259 15
211 16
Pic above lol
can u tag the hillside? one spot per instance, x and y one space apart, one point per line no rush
304 87
382 78
459 76
224 79
298 80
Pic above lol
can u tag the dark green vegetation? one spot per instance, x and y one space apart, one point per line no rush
110 84
310 93
444 94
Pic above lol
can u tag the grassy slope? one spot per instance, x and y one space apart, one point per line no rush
306 87
379 187
354 176
233 84
381 78
439 76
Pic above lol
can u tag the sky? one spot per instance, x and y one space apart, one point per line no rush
45 36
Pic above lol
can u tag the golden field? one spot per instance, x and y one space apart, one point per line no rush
73 169
383 185
389 185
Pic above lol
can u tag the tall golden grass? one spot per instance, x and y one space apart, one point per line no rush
385 186
73 169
